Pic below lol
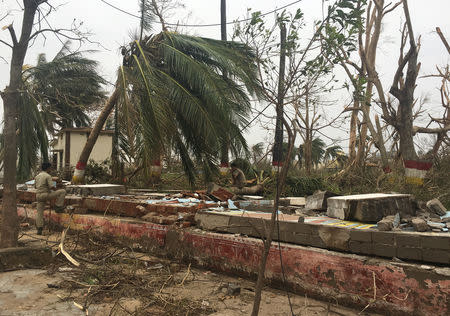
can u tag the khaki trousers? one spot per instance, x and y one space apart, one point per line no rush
42 198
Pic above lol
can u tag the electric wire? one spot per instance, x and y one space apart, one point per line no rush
200 25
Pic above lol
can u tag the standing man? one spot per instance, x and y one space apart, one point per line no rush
237 176
45 191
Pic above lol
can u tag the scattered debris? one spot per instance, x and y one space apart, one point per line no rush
230 289
420 225
435 225
386 224
436 207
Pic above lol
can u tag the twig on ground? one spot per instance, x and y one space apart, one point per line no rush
61 246
187 273
81 307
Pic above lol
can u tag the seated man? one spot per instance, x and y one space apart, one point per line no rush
45 191
237 176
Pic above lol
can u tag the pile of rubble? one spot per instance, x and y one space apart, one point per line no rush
429 216
389 211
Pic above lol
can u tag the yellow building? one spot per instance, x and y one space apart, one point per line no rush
69 142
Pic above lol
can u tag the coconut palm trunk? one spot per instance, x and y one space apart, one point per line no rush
78 176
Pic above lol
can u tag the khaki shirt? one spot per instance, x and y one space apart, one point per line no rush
238 178
43 182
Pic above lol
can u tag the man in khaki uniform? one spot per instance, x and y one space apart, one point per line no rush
44 192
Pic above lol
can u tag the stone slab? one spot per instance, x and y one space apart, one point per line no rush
369 208
96 189
318 201
294 201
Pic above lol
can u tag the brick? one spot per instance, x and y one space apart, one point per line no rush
361 235
435 255
436 242
409 253
386 238
407 240
365 248
384 250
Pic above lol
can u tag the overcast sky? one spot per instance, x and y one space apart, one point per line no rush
112 29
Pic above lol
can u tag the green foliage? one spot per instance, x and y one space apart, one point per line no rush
66 89
31 138
58 94
98 172
249 170
303 186
176 97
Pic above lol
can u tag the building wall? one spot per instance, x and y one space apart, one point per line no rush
101 151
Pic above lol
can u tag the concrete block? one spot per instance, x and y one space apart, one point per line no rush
318 201
383 237
369 207
384 250
365 248
335 237
410 253
287 236
436 242
361 235
212 221
408 240
302 239
436 255
303 228
436 207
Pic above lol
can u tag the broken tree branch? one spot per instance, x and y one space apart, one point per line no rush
444 41
61 246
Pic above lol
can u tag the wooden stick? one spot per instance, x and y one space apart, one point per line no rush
61 246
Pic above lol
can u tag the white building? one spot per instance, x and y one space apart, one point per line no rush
67 147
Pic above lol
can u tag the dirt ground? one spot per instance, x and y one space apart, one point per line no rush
114 279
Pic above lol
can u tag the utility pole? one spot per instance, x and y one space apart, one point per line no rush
223 20
224 161
277 160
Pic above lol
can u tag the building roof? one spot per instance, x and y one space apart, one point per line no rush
84 130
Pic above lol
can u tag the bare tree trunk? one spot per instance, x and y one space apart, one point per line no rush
78 176
307 150
277 161
10 222
269 230
404 92
352 140
362 144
